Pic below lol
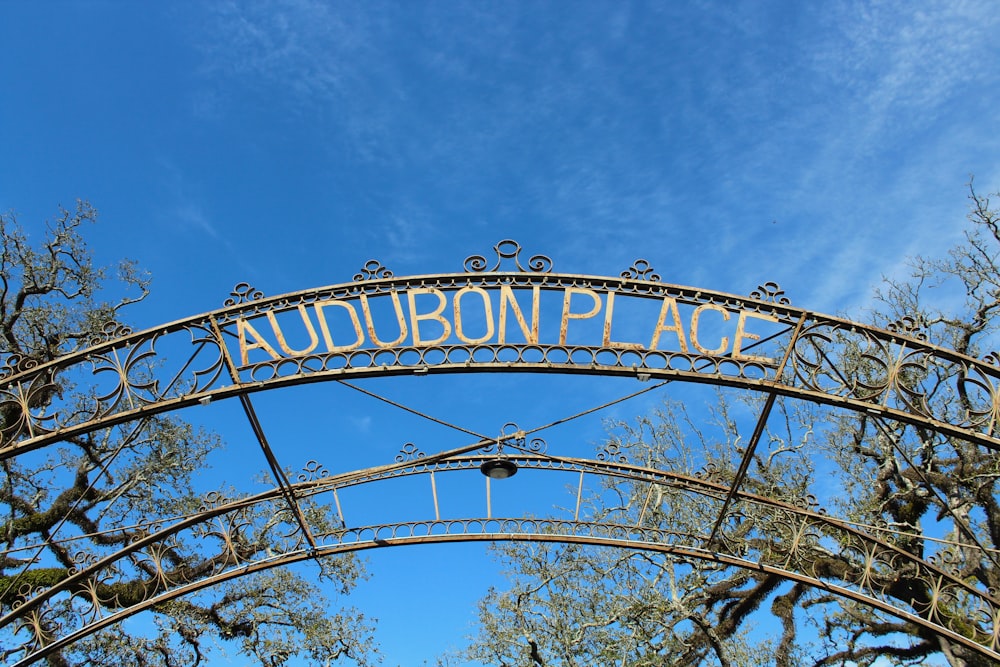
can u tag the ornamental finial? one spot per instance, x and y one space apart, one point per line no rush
508 250
372 270
770 292
641 270
243 293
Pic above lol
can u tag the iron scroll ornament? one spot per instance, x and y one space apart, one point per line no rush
508 253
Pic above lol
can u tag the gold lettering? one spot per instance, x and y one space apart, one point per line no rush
567 315
359 333
669 307
607 342
435 314
487 310
242 329
280 335
724 344
507 298
370 324
742 334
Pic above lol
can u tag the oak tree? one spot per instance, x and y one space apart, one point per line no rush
931 495
93 493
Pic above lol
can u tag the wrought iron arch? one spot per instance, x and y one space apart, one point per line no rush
504 315
244 348
863 569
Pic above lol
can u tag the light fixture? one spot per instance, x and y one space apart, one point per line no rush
498 468
205 400
642 377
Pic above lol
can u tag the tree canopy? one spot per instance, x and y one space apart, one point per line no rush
96 492
928 494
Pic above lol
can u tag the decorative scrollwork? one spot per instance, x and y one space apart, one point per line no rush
109 331
993 358
770 292
19 405
807 502
782 537
83 559
285 531
537 445
372 270
883 373
42 627
981 396
514 437
16 363
409 452
612 453
510 432
243 293
908 326
711 473
213 499
134 380
94 604
213 360
641 270
312 471
508 250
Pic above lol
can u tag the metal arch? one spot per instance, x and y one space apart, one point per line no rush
779 540
686 553
244 347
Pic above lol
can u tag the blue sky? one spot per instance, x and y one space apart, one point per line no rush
815 144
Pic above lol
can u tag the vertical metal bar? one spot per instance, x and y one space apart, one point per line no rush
892 382
126 387
434 491
489 507
340 512
28 420
579 496
642 514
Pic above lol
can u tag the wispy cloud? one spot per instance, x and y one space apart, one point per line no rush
812 148
293 43
315 60
190 215
362 424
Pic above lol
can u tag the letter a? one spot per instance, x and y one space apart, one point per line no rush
244 328
669 307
